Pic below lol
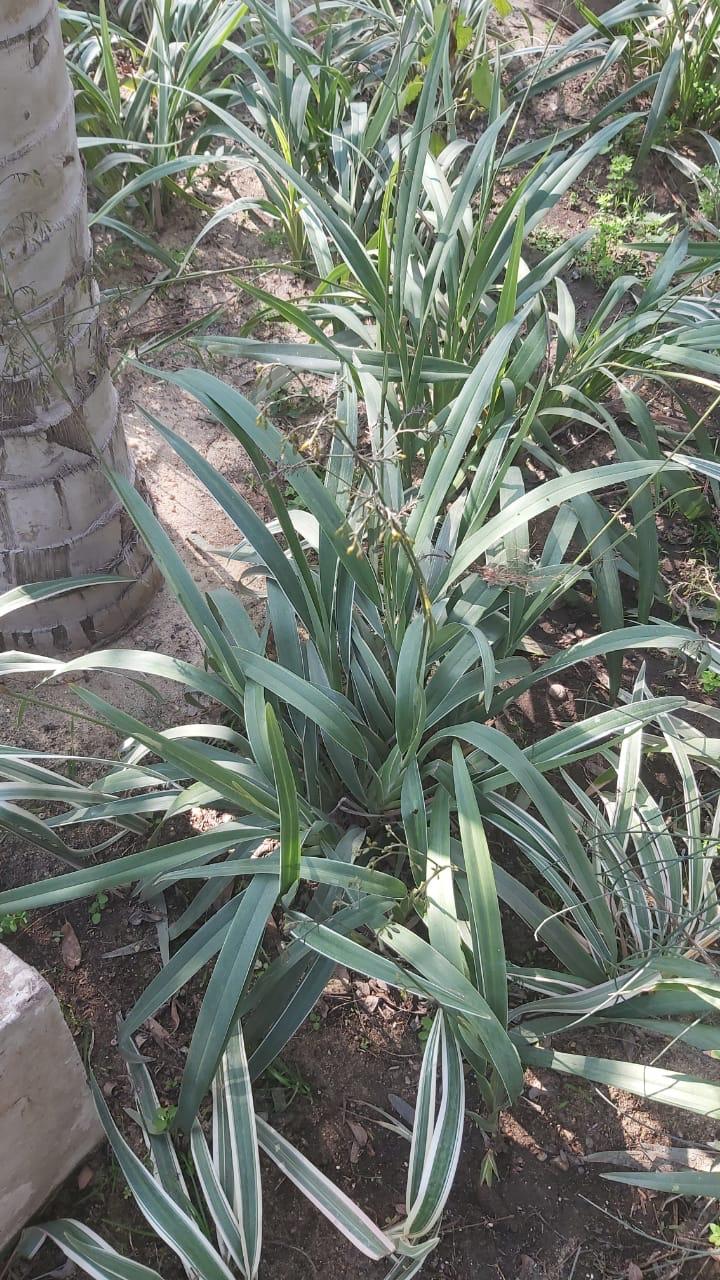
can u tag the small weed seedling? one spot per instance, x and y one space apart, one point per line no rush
708 181
163 1119
425 1028
13 922
489 1172
97 906
285 1084
623 215
709 682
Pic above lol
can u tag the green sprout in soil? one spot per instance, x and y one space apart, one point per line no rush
285 1083
13 922
709 682
623 216
425 1028
489 1172
163 1119
709 193
97 906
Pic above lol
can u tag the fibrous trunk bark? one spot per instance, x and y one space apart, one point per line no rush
59 411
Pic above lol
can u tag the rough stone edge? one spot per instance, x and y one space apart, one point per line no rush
91 1134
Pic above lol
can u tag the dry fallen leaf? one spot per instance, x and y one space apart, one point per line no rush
174 1015
157 1031
359 1142
70 947
358 1132
369 1003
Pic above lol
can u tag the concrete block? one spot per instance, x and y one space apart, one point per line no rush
48 1121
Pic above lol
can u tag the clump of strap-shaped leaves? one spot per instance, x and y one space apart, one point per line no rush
226 1174
422 271
632 940
352 738
137 116
398 622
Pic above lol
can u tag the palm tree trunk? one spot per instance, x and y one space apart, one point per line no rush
59 411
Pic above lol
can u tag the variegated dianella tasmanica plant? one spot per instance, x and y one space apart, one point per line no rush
398 622
416 283
673 48
326 122
220 1236
326 113
655 865
667 51
649 823
376 29
137 114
